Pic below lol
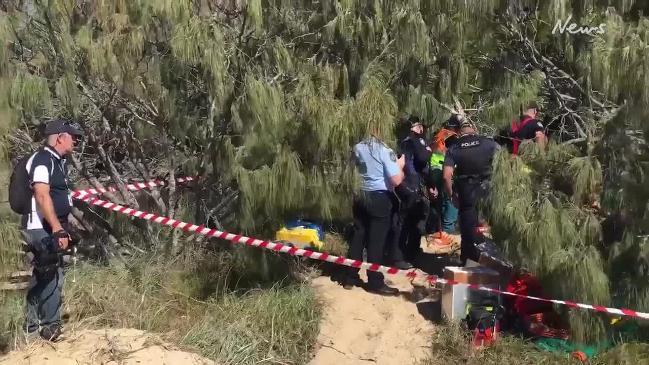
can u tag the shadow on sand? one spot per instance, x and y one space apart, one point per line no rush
426 298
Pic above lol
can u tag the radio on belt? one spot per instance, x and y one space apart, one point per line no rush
456 297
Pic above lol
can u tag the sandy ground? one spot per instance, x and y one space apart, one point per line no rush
364 328
105 347
358 328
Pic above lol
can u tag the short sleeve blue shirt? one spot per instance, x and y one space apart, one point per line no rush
376 163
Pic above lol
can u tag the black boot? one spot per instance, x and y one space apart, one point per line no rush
51 333
383 290
350 282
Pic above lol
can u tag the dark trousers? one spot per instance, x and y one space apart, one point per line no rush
44 297
372 216
471 193
408 227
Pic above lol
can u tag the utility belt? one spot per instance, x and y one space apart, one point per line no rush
404 191
47 255
472 179
408 197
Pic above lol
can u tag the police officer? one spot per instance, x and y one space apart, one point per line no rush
413 205
468 163
380 171
45 230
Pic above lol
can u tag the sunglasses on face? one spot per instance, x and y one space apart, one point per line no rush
75 139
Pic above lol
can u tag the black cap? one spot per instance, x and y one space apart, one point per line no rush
413 119
57 126
454 122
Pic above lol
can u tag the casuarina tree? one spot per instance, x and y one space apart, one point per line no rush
263 100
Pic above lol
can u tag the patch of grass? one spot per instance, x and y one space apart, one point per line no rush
199 307
334 243
11 319
279 325
452 345
11 303
10 244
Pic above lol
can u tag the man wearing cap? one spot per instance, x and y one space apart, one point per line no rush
44 228
467 168
412 211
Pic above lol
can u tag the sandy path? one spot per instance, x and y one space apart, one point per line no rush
107 347
364 328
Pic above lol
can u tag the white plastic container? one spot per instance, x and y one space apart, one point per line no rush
456 297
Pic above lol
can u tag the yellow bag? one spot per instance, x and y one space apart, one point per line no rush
300 237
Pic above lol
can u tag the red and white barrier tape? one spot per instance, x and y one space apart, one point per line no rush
80 194
338 260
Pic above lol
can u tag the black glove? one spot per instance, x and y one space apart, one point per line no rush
73 234
56 247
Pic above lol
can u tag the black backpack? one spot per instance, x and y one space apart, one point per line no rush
484 314
20 190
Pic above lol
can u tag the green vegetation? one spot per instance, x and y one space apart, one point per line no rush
451 345
190 304
264 99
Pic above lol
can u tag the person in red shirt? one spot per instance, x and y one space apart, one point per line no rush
527 128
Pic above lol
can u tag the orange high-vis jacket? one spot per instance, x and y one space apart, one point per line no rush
439 143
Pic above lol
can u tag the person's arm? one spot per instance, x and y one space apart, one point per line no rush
393 167
45 205
448 180
541 139
539 135
447 172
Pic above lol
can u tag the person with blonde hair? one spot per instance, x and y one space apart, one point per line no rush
381 171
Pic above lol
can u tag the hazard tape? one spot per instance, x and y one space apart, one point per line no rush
80 194
338 260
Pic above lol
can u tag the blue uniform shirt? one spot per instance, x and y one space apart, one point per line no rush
376 163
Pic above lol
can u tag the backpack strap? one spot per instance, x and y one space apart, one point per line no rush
516 126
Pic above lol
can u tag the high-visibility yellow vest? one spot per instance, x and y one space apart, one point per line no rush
436 160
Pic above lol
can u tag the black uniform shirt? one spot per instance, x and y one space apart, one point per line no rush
417 159
528 131
471 156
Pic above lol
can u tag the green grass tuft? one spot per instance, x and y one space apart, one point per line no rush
200 308
452 345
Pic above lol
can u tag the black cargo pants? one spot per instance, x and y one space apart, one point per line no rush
408 226
471 192
372 219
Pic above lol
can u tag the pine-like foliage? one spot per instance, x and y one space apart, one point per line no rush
264 100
